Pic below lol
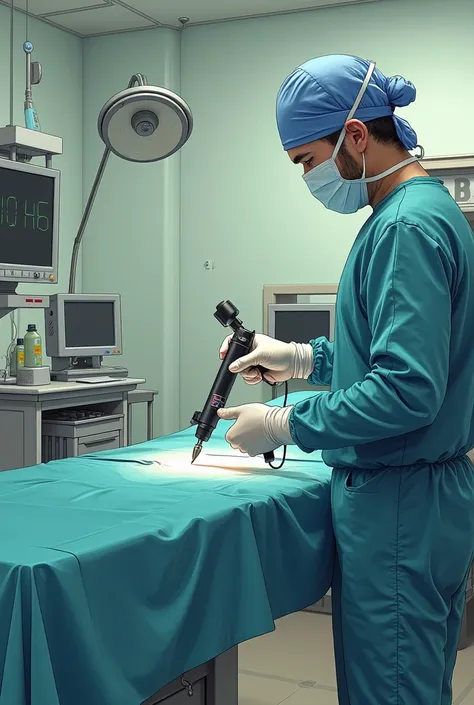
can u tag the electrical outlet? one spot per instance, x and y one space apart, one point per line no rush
209 264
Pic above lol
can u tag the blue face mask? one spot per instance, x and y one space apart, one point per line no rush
330 188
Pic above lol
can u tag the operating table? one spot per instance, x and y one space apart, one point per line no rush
130 576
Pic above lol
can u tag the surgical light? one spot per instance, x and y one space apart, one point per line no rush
142 123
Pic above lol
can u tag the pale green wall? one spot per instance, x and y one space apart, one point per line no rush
132 242
243 204
59 102
236 200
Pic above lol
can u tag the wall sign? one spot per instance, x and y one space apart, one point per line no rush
461 187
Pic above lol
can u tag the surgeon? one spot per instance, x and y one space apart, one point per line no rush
399 419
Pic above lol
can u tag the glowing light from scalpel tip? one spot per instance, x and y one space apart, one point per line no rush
178 464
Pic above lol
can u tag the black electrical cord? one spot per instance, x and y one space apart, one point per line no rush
285 399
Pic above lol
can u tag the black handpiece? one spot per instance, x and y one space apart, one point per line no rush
240 344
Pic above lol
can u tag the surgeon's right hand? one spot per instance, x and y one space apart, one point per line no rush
283 361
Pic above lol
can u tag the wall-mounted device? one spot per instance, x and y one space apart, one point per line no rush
34 73
81 330
29 223
29 229
142 123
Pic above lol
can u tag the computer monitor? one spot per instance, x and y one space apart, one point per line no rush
301 323
83 325
29 223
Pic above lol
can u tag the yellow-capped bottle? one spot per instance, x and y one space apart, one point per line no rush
33 347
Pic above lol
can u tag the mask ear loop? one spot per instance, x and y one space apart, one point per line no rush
352 111
421 154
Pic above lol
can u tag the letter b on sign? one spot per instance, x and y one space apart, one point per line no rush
462 190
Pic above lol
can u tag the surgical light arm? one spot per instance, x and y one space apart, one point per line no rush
124 137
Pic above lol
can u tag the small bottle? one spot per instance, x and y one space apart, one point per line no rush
13 363
17 358
33 347
20 353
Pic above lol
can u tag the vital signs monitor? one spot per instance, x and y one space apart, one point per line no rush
29 222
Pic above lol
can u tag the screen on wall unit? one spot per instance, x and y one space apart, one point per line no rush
26 218
89 324
302 326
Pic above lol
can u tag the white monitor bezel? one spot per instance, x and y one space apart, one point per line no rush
10 271
103 351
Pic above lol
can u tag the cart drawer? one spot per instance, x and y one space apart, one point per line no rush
83 428
68 439
98 443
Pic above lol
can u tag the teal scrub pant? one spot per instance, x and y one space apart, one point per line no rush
405 544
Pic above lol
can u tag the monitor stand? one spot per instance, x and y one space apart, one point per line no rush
67 369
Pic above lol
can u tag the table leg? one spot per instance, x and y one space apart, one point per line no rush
129 425
224 681
150 432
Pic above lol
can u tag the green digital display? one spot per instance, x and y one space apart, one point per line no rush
21 214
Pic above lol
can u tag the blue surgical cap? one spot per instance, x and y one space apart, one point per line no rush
316 98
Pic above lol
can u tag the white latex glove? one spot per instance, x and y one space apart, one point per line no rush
283 361
258 428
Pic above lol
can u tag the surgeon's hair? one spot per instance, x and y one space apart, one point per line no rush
381 129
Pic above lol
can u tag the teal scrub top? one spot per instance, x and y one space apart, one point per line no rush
401 370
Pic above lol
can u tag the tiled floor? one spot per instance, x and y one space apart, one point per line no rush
295 665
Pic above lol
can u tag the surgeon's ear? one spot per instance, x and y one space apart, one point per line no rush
357 135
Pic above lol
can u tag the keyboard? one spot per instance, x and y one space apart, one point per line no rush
97 380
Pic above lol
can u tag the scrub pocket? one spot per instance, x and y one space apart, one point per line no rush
364 480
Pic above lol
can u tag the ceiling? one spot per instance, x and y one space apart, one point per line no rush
87 18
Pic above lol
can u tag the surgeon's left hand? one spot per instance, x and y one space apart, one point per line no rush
258 428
